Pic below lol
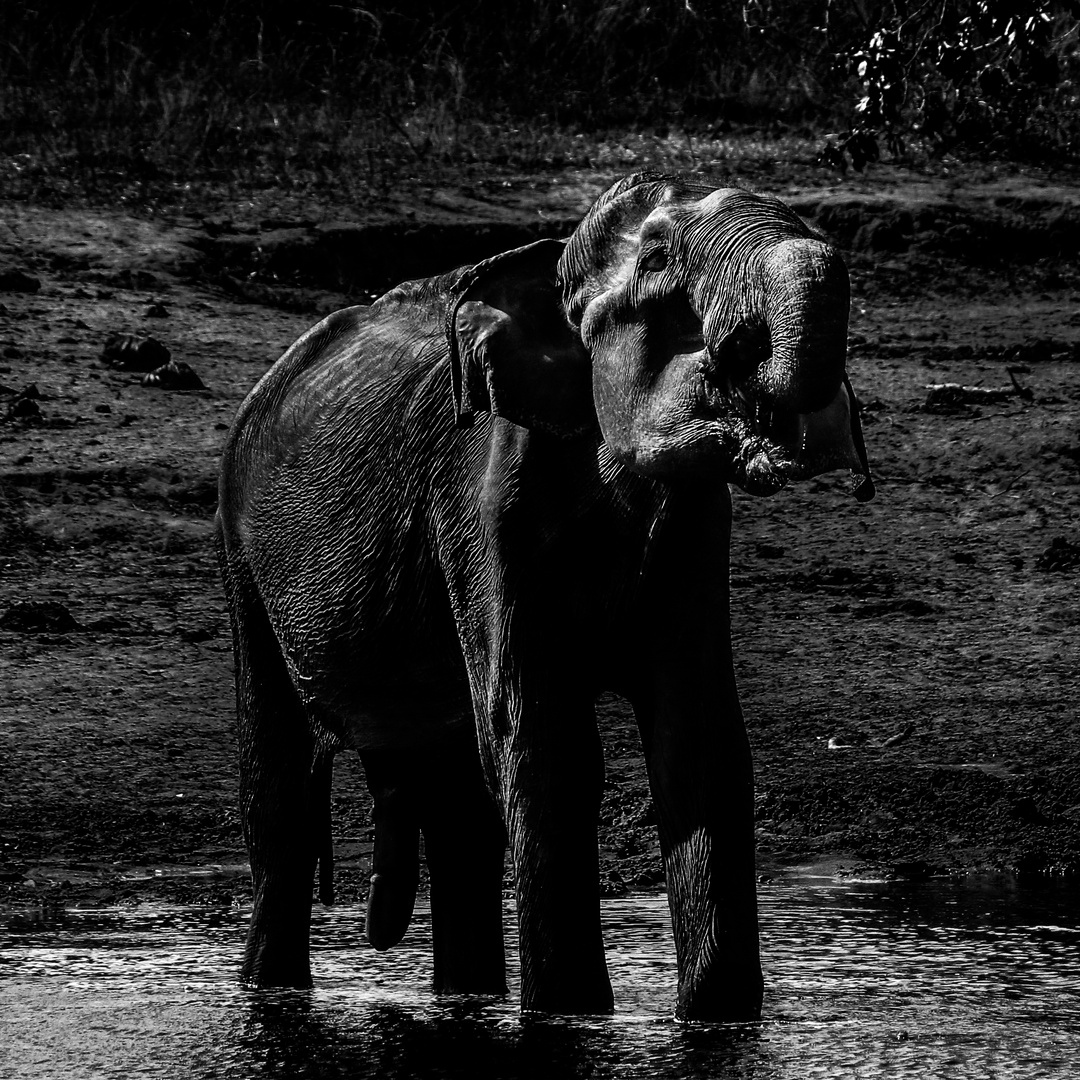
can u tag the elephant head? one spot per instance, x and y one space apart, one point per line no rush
702 329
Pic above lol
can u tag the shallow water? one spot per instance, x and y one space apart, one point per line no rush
863 980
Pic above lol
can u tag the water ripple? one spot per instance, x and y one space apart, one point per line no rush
863 980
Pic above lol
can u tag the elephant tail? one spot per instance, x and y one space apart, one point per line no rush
322 776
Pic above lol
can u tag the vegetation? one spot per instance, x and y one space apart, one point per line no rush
121 92
996 76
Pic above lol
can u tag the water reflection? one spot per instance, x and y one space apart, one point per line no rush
394 1041
862 980
294 1038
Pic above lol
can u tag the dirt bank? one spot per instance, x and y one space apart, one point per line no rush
908 666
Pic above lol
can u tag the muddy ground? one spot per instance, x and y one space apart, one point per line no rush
908 666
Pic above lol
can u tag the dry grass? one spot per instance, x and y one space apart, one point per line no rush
126 101
106 106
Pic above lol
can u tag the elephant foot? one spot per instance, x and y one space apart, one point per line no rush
266 966
726 999
568 986
277 947
468 944
484 981
571 1000
389 909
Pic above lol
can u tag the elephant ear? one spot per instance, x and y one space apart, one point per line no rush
512 352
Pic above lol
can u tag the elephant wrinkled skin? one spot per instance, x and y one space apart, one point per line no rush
449 520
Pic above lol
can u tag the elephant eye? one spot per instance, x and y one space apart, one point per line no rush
655 260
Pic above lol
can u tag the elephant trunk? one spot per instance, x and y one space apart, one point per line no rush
805 299
784 359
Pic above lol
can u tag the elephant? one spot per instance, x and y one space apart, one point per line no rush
451 519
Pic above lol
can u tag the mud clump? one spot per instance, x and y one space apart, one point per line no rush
128 352
175 375
18 281
1062 554
23 405
39 617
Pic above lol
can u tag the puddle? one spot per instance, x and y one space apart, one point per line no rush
863 980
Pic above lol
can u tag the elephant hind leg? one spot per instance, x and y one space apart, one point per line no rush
465 848
442 792
277 797
395 871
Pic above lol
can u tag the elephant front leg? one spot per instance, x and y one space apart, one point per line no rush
551 777
701 776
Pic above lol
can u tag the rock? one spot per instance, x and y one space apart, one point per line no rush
134 278
128 352
17 281
769 551
955 394
847 740
175 375
24 405
900 736
22 408
38 617
891 234
1062 554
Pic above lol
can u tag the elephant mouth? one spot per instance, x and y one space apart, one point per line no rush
774 445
